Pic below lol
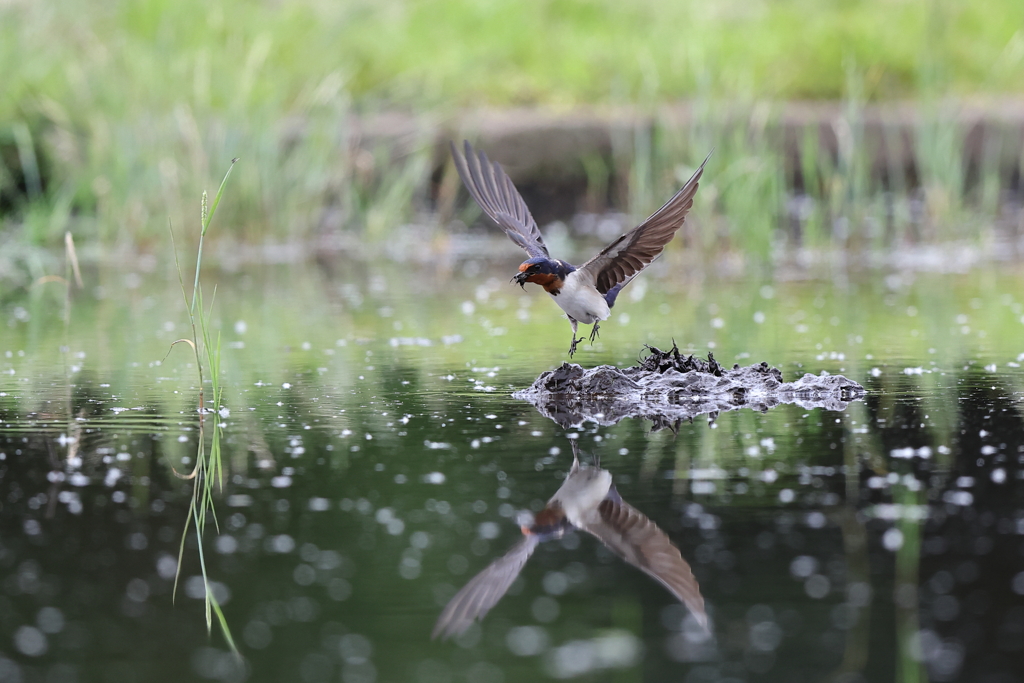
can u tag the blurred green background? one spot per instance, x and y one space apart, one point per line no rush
115 115
865 180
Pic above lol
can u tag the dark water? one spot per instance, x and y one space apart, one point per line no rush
375 461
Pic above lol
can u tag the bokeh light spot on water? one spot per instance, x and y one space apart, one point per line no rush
617 649
166 566
50 620
411 563
209 662
419 539
281 543
556 583
527 641
196 586
339 589
858 594
765 636
545 609
137 590
803 566
304 575
303 609
30 641
817 586
318 504
892 540
257 634
488 530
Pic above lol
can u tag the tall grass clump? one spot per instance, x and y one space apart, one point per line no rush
741 205
835 205
864 184
104 131
208 470
72 276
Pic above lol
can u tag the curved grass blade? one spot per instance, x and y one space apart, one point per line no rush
208 467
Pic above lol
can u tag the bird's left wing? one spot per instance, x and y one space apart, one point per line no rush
632 536
621 260
484 590
497 196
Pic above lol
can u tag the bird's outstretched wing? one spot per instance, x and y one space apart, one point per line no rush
632 536
621 260
497 196
484 590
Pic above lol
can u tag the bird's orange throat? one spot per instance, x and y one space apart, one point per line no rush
549 522
549 281
549 516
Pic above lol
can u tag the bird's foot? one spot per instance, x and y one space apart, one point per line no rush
572 347
593 333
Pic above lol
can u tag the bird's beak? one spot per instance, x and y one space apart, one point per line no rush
520 279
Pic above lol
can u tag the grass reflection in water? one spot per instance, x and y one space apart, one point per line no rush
365 481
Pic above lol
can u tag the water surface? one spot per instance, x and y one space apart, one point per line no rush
375 461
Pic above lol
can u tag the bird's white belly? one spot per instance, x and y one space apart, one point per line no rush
581 300
581 493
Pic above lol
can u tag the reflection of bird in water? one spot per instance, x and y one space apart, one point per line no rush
587 500
586 293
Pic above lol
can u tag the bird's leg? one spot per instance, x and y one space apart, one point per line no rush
575 341
593 333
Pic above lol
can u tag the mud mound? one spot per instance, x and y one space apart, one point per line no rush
668 387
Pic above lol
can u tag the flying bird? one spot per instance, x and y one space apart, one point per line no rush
586 293
587 500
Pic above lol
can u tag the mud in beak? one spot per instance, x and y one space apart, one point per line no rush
520 279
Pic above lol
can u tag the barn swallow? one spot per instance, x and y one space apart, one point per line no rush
587 500
586 293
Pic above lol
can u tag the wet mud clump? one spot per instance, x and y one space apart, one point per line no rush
668 387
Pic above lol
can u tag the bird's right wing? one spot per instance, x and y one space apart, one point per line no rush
497 196
632 536
623 259
484 590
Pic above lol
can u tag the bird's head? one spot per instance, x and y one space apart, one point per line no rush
549 523
542 271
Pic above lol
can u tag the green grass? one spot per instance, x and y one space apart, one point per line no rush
110 114
208 471
237 57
